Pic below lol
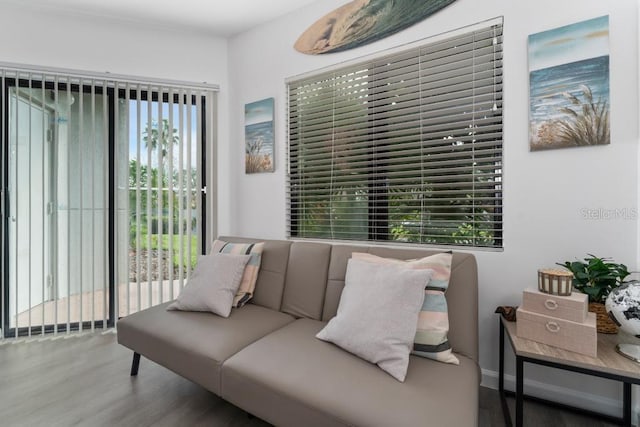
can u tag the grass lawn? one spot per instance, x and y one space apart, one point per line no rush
176 247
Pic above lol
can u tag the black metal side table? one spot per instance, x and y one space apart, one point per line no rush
608 364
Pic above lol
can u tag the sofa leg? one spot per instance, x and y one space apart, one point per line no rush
135 364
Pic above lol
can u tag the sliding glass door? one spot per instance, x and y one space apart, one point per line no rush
31 227
58 198
102 199
163 227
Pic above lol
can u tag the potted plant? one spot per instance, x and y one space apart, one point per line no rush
596 277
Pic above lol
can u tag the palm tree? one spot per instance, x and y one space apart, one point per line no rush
165 139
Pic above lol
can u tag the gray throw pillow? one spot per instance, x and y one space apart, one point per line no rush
378 314
213 284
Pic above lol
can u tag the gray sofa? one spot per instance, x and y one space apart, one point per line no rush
266 360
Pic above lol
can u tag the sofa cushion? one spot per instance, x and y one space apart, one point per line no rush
314 383
250 275
194 344
433 322
213 284
378 314
306 279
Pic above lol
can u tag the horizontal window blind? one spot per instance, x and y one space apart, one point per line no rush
406 147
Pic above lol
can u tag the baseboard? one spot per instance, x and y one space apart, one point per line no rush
564 395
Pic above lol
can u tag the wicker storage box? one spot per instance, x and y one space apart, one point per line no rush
555 281
573 336
573 307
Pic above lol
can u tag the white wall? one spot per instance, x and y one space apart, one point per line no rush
52 39
545 193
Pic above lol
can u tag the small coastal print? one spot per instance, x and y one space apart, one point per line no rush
364 21
569 86
258 135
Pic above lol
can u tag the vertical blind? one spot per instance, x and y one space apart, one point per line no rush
161 228
56 169
405 147
102 197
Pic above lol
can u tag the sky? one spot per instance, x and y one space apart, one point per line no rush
258 112
571 43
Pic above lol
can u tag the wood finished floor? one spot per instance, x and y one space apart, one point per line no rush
84 381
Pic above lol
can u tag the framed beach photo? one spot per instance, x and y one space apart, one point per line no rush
259 136
569 86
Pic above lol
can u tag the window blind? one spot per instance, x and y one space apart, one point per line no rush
102 196
161 210
405 147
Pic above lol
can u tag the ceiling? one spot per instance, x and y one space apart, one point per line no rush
223 18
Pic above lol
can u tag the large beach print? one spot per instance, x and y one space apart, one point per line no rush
569 86
258 136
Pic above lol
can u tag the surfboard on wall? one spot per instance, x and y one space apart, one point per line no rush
361 22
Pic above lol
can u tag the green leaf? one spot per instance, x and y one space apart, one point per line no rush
596 276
